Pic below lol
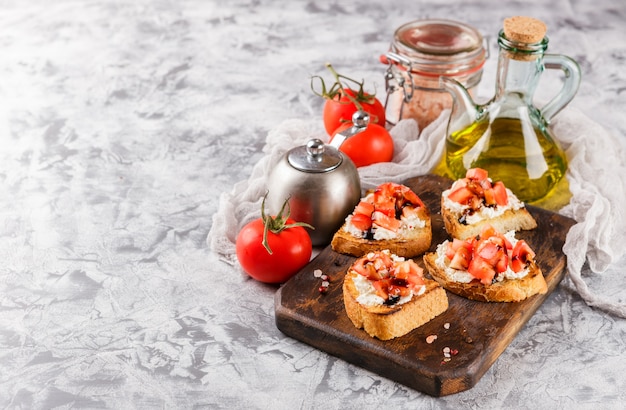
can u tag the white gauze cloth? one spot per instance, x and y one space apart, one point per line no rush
596 165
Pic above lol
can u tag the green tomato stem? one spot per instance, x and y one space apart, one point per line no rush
339 89
278 224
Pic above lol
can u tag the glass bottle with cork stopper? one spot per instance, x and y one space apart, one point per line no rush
508 136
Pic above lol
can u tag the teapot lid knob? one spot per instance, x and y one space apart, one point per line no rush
315 148
315 157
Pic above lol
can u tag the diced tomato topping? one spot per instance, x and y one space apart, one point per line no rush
386 189
411 197
407 268
381 287
391 197
489 251
459 183
402 270
523 251
517 265
477 174
481 269
385 258
385 204
487 254
385 221
359 267
485 184
458 243
361 222
390 279
368 270
454 245
507 244
500 194
364 208
398 290
450 251
461 259
503 262
478 190
521 255
490 196
488 231
461 195
374 266
415 281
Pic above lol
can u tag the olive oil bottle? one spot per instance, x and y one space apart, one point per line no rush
508 136
519 154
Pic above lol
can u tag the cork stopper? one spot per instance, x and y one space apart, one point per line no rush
523 29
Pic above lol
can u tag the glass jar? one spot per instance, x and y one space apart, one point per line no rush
420 53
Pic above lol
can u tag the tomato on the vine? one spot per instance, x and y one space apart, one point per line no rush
273 249
370 146
342 101
338 111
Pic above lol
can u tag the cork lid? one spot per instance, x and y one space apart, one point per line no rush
523 29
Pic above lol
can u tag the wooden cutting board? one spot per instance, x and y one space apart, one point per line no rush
475 332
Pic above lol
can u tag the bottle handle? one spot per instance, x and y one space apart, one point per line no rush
571 69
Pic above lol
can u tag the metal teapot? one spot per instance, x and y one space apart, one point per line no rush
321 183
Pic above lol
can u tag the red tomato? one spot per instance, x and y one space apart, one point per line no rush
461 259
361 222
385 221
477 174
500 194
481 269
502 263
488 231
338 111
522 255
490 196
461 195
455 244
385 204
489 251
364 208
382 286
411 197
291 251
366 268
415 281
367 147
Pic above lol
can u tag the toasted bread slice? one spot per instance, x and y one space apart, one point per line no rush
474 201
508 290
390 217
510 220
388 296
409 244
388 322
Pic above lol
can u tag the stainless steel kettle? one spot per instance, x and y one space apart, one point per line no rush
321 183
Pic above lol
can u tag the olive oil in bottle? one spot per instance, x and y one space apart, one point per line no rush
508 136
513 151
